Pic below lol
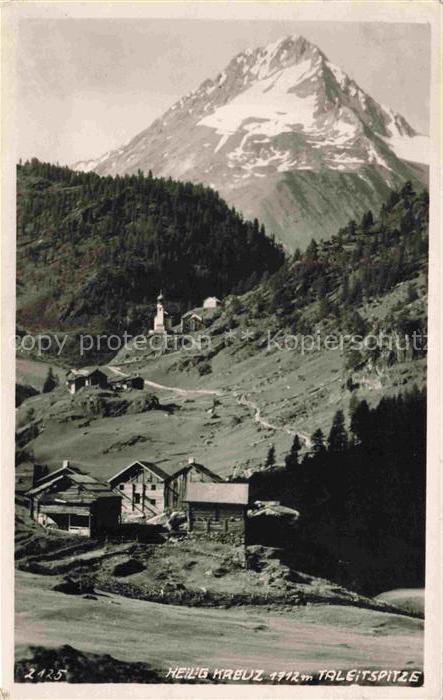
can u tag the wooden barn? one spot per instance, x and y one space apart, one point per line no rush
124 382
142 487
148 490
218 508
76 503
88 376
178 483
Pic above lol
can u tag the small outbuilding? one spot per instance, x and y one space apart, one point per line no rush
218 508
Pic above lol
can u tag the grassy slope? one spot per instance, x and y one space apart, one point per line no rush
34 372
295 392
133 630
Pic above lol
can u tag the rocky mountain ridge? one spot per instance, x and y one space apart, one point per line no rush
284 135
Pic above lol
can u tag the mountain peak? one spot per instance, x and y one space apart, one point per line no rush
272 132
262 61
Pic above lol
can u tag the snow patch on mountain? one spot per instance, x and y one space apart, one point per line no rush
269 101
283 135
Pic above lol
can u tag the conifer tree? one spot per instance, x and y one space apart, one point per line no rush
270 457
50 382
338 437
367 220
312 250
291 459
318 442
360 418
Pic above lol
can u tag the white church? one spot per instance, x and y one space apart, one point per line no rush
162 321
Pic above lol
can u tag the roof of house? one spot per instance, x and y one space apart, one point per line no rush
45 485
150 466
275 510
74 373
224 492
200 467
70 468
192 314
124 378
76 487
114 372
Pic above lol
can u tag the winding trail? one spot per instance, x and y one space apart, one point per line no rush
242 400
184 392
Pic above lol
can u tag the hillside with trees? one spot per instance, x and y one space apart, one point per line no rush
93 252
361 492
364 260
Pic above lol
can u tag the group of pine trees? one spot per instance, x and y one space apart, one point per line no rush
361 494
364 260
104 246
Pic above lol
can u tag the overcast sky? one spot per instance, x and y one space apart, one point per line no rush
86 86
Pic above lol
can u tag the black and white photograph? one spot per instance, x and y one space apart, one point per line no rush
219 280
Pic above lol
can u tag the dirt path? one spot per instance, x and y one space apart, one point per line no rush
184 392
305 639
242 400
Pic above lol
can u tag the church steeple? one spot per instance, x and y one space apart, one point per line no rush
160 320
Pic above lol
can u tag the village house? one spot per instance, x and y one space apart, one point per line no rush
120 381
133 381
217 508
147 490
211 303
87 376
44 476
178 483
104 378
191 322
141 485
75 502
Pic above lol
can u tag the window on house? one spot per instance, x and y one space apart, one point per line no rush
153 487
137 498
121 487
